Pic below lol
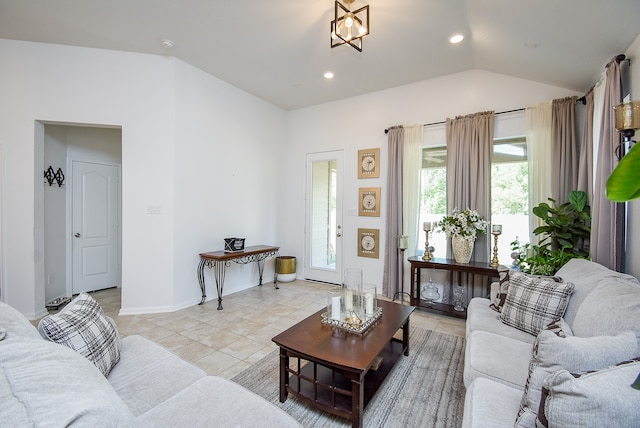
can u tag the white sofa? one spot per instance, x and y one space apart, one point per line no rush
602 328
46 384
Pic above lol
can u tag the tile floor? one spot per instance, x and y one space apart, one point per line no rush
223 343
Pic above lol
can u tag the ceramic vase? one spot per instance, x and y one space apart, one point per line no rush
462 249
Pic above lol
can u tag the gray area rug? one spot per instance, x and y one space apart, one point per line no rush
424 389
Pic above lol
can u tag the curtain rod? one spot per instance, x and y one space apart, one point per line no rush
386 131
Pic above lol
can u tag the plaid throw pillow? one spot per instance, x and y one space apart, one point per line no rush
533 302
83 327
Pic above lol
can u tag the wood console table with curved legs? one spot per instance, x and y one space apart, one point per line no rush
220 260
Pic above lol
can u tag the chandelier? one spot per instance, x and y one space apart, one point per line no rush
349 26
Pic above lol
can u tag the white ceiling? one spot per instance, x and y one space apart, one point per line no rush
279 50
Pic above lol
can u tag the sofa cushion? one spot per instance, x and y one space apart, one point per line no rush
15 325
216 402
612 307
490 404
83 327
149 374
45 384
481 318
552 353
495 357
533 302
503 287
586 276
603 398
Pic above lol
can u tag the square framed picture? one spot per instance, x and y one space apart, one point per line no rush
369 163
368 243
369 201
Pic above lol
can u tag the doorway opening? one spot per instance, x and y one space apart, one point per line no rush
78 216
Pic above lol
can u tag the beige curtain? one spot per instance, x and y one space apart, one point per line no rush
392 257
585 167
538 128
469 146
411 165
608 224
564 149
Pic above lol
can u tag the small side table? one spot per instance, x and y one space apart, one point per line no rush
219 260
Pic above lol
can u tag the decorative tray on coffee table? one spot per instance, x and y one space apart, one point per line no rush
352 327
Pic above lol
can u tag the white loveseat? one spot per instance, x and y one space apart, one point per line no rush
572 363
46 384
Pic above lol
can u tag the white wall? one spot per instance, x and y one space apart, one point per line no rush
165 122
359 123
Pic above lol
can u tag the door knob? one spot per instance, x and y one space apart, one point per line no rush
77 235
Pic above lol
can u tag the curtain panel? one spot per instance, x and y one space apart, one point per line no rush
392 258
585 166
469 147
564 149
608 218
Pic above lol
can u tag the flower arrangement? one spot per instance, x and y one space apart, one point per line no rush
465 224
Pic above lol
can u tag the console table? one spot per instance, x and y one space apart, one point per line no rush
220 260
417 263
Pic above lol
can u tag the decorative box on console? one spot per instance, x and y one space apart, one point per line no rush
232 245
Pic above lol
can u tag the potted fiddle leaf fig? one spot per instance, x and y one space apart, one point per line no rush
624 182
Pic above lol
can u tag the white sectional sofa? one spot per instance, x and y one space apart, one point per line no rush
575 372
46 384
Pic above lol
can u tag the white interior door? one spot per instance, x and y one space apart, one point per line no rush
95 196
323 226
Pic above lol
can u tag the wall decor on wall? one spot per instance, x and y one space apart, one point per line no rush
369 163
368 243
369 201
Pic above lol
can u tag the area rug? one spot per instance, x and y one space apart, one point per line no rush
424 389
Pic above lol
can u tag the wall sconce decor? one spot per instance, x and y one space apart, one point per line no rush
349 27
54 177
627 121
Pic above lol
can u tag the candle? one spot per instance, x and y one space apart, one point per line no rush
369 303
426 226
348 300
496 228
335 307
403 242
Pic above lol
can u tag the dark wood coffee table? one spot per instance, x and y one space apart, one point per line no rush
334 368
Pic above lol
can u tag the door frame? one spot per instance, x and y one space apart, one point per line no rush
317 274
70 237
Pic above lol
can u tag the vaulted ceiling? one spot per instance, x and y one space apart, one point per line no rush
279 50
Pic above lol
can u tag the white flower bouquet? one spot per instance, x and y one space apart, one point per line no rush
464 224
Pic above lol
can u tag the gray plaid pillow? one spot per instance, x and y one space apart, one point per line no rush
534 302
83 327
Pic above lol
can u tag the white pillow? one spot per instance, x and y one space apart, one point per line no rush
83 327
552 352
602 398
533 302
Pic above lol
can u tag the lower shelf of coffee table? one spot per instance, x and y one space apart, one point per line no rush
330 390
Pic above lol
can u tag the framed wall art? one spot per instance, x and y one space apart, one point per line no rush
369 163
369 201
368 243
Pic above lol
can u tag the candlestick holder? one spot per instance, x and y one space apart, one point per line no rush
494 261
427 251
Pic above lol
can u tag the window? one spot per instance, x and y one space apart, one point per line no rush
509 194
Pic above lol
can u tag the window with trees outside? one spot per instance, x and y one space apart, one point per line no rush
509 195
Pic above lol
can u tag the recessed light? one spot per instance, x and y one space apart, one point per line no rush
328 75
456 38
166 43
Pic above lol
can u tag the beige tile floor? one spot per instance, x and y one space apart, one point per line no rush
223 343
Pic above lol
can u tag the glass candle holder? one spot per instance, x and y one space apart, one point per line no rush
334 304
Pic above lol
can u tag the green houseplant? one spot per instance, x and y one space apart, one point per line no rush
564 236
624 182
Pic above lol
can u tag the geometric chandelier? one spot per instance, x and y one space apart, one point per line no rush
349 27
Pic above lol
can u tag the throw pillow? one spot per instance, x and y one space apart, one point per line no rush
503 286
533 302
602 398
83 327
552 352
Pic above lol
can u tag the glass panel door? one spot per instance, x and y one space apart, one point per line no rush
324 217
